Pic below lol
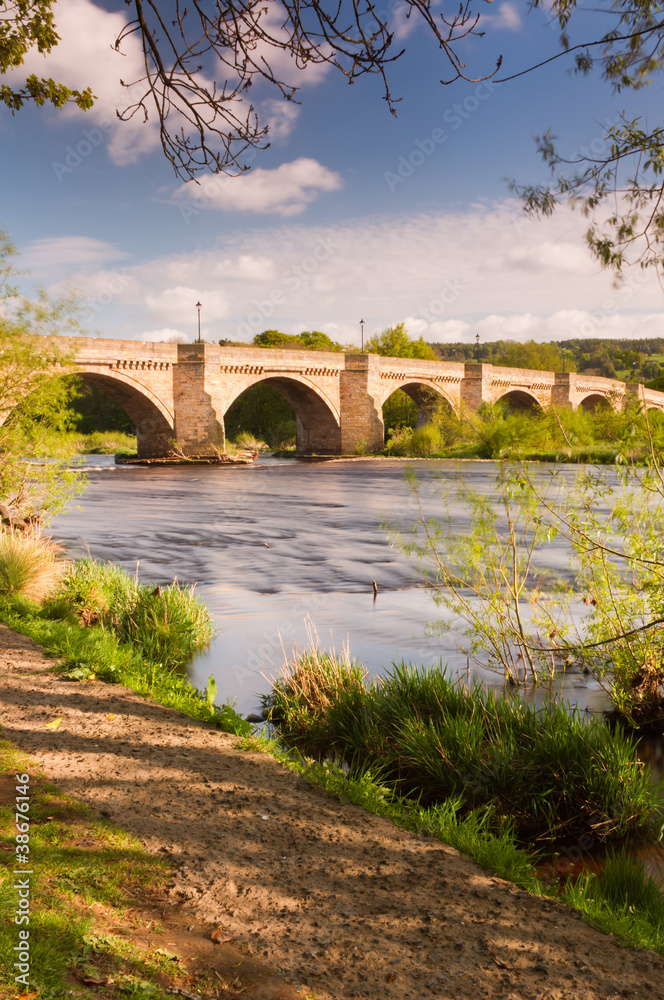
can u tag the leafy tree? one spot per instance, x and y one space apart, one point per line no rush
24 25
33 403
317 341
92 410
202 59
394 342
310 341
538 357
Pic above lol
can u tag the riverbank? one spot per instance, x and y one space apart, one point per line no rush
334 901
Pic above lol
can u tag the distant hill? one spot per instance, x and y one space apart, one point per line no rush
627 359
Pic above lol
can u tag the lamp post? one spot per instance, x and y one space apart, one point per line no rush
362 334
563 350
477 348
199 307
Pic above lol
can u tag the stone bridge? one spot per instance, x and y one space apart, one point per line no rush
180 392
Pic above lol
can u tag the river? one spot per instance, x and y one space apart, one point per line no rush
280 547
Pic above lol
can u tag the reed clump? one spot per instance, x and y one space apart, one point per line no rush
30 566
549 771
167 625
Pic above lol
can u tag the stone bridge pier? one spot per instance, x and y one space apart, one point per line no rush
177 395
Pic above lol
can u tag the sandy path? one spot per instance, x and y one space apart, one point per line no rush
328 896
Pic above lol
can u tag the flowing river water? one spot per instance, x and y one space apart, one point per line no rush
280 547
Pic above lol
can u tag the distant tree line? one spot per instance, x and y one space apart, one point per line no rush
623 358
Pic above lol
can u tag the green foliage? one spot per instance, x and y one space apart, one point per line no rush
94 411
25 26
260 417
629 360
548 773
538 357
516 616
394 342
622 899
37 403
96 652
496 431
309 341
167 625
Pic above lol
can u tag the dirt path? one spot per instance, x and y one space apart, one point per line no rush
324 895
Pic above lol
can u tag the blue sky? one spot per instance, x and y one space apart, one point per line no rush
350 214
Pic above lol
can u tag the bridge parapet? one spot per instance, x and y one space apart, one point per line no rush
182 392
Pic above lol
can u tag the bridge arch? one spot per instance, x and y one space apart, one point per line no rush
154 423
318 426
595 401
520 399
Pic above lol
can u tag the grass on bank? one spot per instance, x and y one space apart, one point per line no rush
102 624
88 878
549 772
28 566
69 444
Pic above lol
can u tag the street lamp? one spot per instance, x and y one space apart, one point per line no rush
199 307
362 333
563 350
477 348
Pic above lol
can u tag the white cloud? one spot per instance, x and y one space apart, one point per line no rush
179 304
560 258
280 116
86 57
64 253
285 190
507 17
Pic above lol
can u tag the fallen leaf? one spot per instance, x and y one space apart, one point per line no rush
167 954
55 724
88 979
26 996
219 936
499 962
109 717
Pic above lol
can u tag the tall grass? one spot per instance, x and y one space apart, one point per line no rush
29 565
166 624
549 771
